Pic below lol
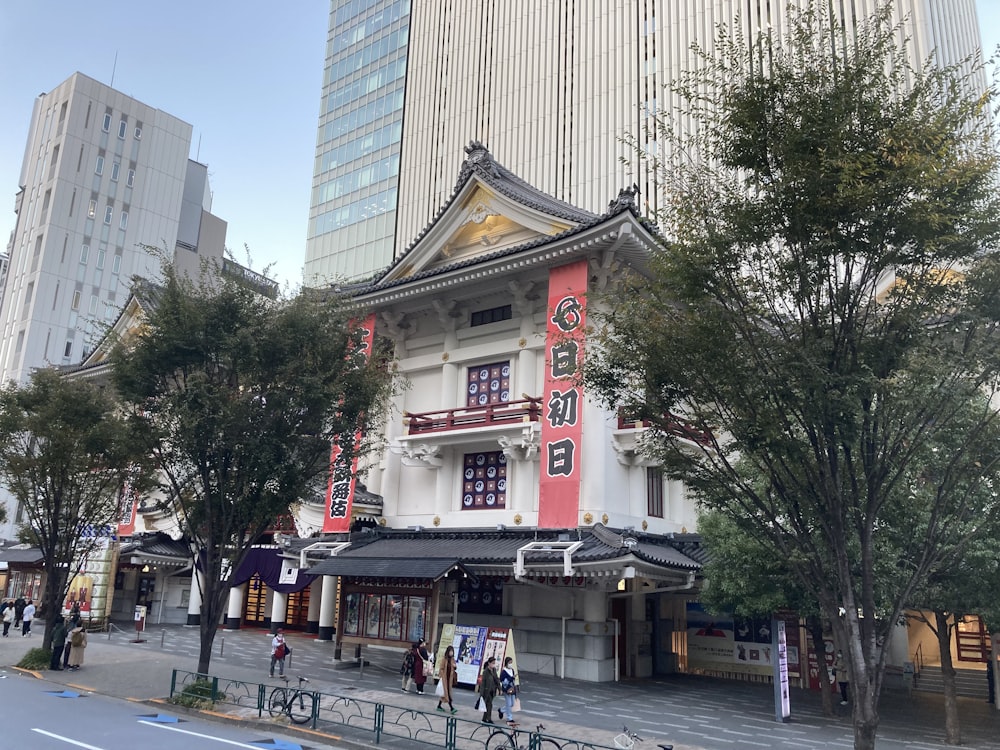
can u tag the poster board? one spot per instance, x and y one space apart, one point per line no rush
473 645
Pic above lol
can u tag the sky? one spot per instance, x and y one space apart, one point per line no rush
246 75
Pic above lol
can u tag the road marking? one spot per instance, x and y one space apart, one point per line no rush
234 743
66 739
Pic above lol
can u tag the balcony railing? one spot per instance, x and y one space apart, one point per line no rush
470 417
672 425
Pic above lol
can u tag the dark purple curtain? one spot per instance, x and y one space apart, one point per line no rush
267 563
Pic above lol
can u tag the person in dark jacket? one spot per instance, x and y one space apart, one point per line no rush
489 686
421 657
58 642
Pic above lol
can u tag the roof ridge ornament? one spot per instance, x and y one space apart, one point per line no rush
480 159
626 199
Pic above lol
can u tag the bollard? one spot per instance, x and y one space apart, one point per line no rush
222 646
163 637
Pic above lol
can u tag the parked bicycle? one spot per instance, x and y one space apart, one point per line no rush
503 739
627 739
295 702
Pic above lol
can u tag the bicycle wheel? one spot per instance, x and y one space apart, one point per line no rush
300 707
500 740
276 704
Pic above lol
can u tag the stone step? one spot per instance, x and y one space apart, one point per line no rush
969 683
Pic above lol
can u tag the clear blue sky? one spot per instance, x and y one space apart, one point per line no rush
246 75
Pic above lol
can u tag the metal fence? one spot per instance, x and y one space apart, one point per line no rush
321 711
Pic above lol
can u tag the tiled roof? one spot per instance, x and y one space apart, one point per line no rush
157 545
432 568
20 554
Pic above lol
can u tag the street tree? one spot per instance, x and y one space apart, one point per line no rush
239 398
747 576
823 310
66 453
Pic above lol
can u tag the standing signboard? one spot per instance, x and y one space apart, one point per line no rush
473 645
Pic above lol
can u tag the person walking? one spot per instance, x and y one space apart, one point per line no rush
843 678
19 605
74 622
449 679
26 617
489 686
78 644
8 618
406 669
58 642
279 650
508 686
422 666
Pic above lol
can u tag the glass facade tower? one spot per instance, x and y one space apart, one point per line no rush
352 213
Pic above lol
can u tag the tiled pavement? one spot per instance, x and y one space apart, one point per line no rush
690 712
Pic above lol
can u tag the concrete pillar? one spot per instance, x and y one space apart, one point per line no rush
595 606
279 608
315 593
194 600
327 608
234 613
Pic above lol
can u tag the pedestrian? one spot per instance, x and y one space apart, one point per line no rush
279 650
449 679
508 686
74 622
842 676
26 617
58 643
19 605
489 686
8 618
423 667
78 643
406 669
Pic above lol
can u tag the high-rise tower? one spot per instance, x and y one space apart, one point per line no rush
550 86
104 177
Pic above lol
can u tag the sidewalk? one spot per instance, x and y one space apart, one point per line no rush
690 712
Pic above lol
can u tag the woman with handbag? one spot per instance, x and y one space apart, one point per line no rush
423 667
508 687
449 678
489 686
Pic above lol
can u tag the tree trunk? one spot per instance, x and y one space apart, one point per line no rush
213 604
952 728
865 712
51 602
814 625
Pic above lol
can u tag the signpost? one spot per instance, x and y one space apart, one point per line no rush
782 706
140 622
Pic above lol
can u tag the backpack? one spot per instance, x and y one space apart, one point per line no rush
279 651
77 638
408 662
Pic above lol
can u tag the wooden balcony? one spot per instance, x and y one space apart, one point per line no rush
471 417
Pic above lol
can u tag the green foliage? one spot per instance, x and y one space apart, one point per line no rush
238 398
825 310
197 694
36 659
65 454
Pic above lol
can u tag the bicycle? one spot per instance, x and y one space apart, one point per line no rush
503 739
627 739
296 703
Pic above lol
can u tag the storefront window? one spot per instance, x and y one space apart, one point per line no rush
352 614
373 615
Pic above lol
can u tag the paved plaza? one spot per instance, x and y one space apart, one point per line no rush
693 713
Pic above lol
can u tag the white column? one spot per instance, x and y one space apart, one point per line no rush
279 606
315 594
194 601
234 613
328 608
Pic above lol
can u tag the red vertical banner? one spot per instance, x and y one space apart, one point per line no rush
344 465
128 502
562 426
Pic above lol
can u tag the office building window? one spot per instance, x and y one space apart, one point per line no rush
123 220
122 128
130 178
75 303
92 210
115 169
101 252
488 384
138 133
85 254
654 492
116 264
68 351
108 213
93 304
106 127
55 158
484 481
99 168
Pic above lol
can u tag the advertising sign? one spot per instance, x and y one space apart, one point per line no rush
473 645
782 705
562 423
343 468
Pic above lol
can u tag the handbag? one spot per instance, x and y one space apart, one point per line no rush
428 668
481 704
439 690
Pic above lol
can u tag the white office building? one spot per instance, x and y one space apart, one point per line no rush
104 178
550 87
